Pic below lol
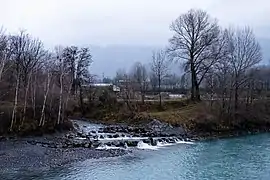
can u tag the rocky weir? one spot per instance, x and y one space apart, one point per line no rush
87 135
86 141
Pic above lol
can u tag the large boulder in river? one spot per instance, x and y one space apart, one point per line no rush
153 141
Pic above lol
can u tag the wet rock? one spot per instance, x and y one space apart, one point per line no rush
45 145
109 136
87 145
130 129
52 146
153 134
109 144
125 130
76 144
89 136
59 146
119 144
147 141
132 143
171 140
138 130
136 135
116 136
70 136
145 135
153 142
96 144
81 134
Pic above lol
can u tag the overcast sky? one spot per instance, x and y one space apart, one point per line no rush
134 22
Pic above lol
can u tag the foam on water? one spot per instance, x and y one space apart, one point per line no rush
123 138
184 142
105 147
163 144
142 145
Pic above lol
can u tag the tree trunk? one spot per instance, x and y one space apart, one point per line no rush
25 99
192 97
2 65
13 119
51 101
81 100
34 85
236 98
42 117
197 92
193 81
70 91
223 98
143 98
159 90
60 99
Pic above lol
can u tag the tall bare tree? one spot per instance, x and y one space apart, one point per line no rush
82 72
140 76
159 66
62 72
195 35
244 53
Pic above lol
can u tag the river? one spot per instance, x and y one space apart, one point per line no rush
235 158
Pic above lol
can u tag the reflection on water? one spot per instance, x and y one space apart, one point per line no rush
238 158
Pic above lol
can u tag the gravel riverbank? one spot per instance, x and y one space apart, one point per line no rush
20 154
87 141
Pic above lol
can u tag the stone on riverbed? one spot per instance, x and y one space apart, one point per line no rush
116 136
109 136
132 143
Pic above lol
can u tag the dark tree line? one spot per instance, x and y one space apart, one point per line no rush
35 84
220 62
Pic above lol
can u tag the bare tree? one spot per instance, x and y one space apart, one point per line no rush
82 72
4 50
140 76
62 71
194 39
159 66
244 53
49 69
18 46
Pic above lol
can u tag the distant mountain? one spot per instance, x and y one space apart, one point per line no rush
109 59
265 45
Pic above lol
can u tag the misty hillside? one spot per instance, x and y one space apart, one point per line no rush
109 59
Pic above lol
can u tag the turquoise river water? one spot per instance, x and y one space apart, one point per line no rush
235 158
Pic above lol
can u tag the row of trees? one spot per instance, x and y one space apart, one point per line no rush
38 83
143 78
42 84
205 48
222 61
